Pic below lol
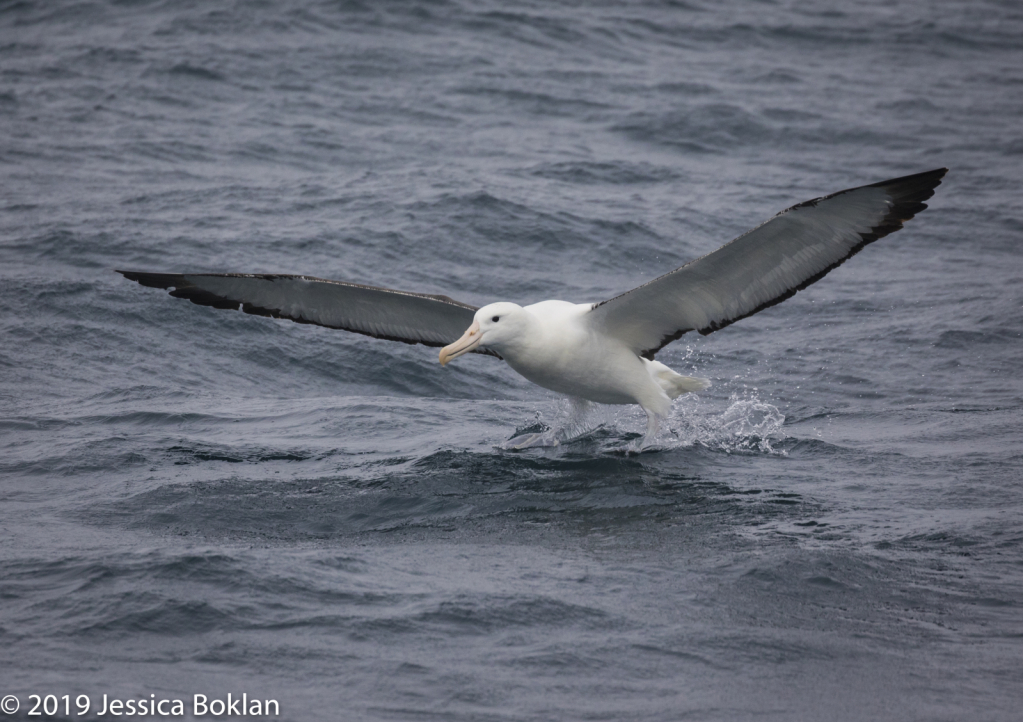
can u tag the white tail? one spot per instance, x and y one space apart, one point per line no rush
674 384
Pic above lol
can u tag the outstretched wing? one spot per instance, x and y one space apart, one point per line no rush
378 312
764 266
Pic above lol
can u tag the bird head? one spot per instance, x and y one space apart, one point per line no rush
493 326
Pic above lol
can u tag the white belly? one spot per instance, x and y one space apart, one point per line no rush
569 358
580 376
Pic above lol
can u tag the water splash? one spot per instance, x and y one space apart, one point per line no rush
747 425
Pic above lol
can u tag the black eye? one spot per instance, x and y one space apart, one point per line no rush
495 319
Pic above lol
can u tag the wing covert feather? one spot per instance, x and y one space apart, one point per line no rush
764 266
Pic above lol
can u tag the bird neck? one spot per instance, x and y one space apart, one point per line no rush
528 340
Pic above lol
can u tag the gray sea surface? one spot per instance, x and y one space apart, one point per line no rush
195 501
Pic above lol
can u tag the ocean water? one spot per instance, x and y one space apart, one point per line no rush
194 501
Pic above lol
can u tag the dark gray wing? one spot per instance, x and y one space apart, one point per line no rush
764 266
378 312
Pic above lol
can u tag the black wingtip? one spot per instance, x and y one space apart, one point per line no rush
908 194
183 288
156 280
929 178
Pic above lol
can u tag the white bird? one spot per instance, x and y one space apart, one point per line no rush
602 352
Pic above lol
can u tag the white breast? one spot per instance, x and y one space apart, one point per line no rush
562 353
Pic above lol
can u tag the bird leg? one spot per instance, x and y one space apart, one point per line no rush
573 427
653 427
580 407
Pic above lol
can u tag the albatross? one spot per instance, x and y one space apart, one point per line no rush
604 351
